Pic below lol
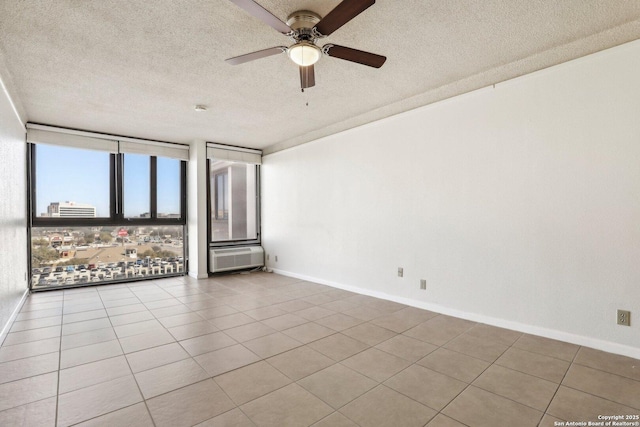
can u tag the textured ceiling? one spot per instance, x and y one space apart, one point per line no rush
138 67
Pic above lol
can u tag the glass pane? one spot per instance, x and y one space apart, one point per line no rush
137 187
233 201
168 180
78 255
221 200
71 183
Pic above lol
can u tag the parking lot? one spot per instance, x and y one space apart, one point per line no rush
110 263
72 275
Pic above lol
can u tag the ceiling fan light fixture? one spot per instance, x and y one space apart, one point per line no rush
304 53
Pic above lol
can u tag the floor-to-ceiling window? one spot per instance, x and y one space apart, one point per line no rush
233 196
104 209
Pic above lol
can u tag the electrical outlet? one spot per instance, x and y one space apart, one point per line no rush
624 317
267 257
400 271
423 284
276 258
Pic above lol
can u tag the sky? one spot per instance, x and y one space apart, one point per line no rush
82 176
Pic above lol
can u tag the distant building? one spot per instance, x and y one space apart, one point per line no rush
131 253
66 252
70 210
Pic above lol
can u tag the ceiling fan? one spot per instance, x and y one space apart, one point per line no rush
305 27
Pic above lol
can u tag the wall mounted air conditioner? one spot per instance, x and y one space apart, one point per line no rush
229 259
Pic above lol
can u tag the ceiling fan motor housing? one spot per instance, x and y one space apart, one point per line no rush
303 19
302 23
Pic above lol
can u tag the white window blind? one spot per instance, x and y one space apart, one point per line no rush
151 148
239 155
41 134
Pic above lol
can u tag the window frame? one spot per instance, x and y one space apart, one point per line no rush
116 197
210 205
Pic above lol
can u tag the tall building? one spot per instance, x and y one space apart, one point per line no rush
71 210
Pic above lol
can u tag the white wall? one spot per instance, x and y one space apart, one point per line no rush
13 208
198 243
519 204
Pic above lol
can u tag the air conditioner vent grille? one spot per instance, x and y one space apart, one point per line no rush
232 250
235 258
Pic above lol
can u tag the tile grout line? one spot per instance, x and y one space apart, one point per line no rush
603 371
335 411
468 384
381 383
213 378
232 401
130 370
335 362
128 364
195 361
527 373
478 376
162 365
59 364
265 360
559 385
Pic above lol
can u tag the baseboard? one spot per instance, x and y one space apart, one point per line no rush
608 346
5 328
197 276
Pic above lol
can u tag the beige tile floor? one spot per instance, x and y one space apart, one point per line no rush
267 350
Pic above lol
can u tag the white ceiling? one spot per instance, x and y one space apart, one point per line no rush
138 67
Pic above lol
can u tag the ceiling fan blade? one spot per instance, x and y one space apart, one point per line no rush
257 11
341 14
307 77
355 55
236 60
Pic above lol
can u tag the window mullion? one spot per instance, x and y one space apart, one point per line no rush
153 186
115 187
31 179
183 190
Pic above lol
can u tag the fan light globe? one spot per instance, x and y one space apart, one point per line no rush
304 53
